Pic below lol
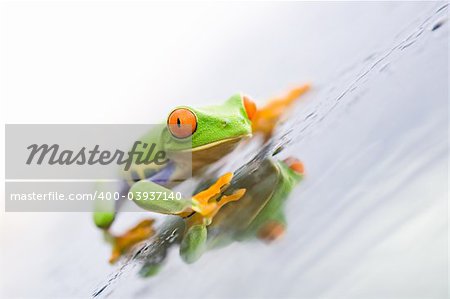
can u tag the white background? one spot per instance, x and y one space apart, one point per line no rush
370 220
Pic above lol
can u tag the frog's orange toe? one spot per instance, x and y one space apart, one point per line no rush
226 199
250 107
115 255
205 201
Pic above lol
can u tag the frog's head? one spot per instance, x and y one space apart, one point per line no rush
211 132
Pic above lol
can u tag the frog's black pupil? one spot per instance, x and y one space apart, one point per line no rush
178 122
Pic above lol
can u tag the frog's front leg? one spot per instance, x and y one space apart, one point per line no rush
199 211
156 198
193 244
266 118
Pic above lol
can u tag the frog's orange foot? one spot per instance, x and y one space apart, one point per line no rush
205 201
122 244
226 199
266 118
208 202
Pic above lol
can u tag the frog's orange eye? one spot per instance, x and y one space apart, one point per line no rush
295 164
250 107
182 123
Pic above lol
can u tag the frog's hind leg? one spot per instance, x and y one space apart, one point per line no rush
123 243
266 118
194 241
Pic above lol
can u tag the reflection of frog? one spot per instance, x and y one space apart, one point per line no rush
259 213
207 134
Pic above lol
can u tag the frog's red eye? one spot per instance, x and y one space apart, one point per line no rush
295 164
182 123
250 107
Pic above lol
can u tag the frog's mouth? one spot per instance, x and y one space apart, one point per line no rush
209 153
220 144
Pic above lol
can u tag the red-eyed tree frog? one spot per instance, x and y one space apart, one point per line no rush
207 134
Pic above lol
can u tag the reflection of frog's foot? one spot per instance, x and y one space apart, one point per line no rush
271 231
267 117
208 202
295 164
150 270
121 244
